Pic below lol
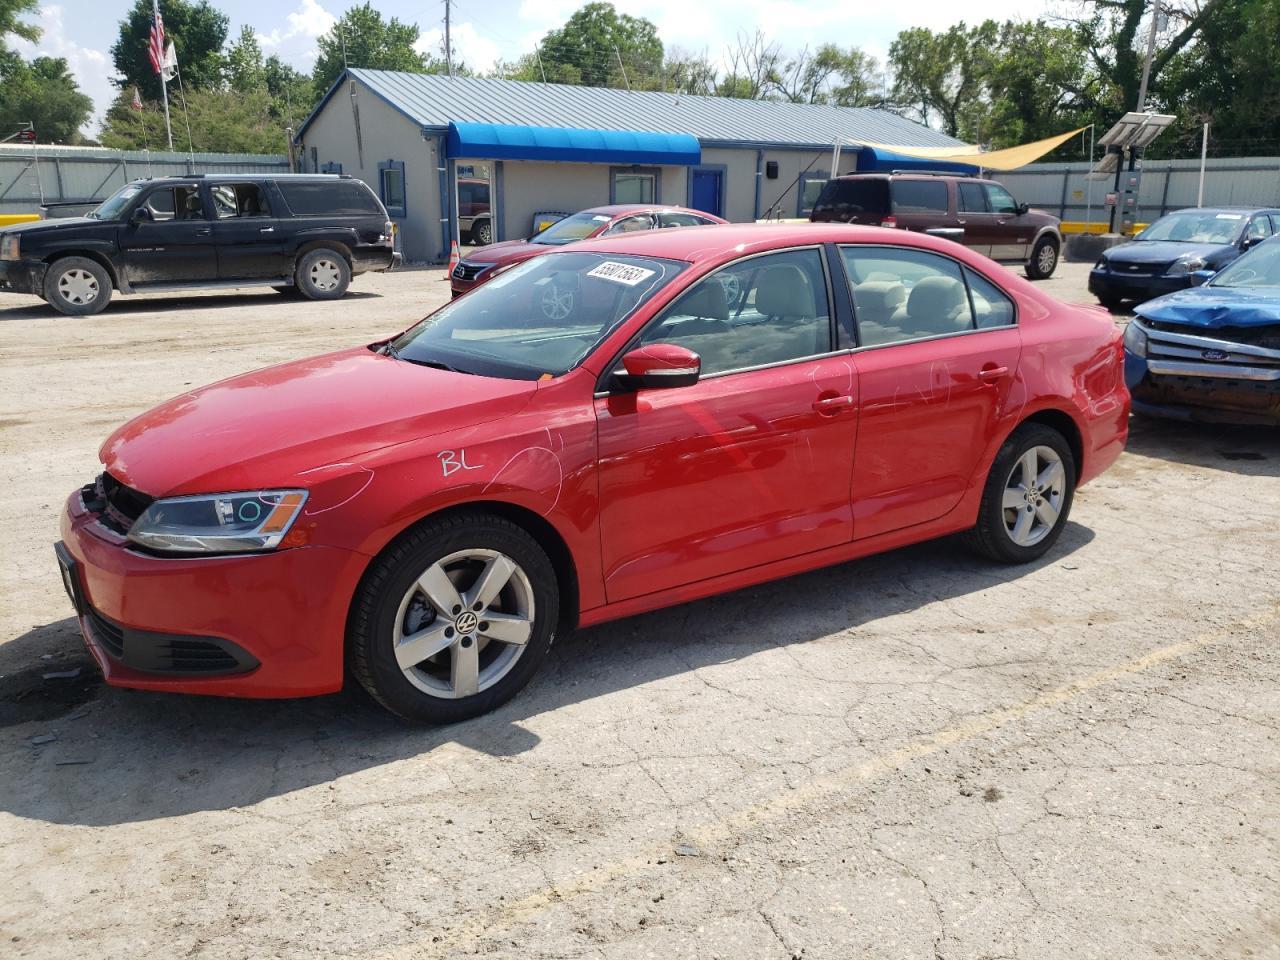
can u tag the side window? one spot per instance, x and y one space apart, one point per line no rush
161 205
811 186
1001 199
759 311
175 203
673 218
901 294
991 308
1258 229
243 200
391 187
631 225
972 198
919 196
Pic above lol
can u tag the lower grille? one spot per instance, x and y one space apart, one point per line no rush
168 653
110 636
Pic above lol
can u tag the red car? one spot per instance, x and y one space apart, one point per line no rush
736 404
483 265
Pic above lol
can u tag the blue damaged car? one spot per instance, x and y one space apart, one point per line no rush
1162 257
1211 353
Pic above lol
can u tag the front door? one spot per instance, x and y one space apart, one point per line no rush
750 465
705 191
936 378
1013 231
248 235
174 244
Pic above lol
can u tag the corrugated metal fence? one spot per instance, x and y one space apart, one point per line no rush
1061 188
32 176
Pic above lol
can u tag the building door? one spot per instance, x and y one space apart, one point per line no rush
705 192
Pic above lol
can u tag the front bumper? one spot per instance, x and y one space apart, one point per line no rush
23 276
1110 285
255 625
1201 399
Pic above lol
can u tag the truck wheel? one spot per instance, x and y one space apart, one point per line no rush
1044 259
453 619
77 287
482 234
323 274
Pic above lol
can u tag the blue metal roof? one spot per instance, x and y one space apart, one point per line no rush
508 142
433 101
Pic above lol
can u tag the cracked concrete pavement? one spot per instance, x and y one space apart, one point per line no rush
912 755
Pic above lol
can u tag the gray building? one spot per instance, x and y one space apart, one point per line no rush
435 147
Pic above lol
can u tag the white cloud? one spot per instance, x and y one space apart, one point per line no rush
91 68
477 52
295 42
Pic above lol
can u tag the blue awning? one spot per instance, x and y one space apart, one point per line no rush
493 141
878 158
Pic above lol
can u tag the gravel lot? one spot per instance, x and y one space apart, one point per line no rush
916 755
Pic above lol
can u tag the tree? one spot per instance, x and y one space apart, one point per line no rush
198 32
363 39
753 67
689 73
245 68
10 12
1040 82
221 121
291 92
604 49
845 78
941 76
45 94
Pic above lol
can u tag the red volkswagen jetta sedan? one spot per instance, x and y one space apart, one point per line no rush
722 407
485 264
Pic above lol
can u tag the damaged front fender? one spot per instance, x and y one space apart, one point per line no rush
23 276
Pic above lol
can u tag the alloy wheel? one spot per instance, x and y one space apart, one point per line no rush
463 624
1047 259
1033 496
78 286
325 275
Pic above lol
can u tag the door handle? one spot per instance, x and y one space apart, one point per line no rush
992 372
830 406
266 229
204 233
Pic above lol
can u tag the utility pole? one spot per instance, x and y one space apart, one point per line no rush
448 45
1151 52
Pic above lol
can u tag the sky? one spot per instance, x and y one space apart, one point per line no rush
485 31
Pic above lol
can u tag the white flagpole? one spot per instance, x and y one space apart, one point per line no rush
164 87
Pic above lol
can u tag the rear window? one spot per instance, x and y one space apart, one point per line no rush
318 198
919 196
850 197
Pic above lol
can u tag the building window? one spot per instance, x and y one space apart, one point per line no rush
811 184
634 186
331 167
391 186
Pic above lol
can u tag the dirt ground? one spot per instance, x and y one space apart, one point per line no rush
916 755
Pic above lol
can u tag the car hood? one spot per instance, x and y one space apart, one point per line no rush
509 251
1213 307
263 429
1165 251
48 226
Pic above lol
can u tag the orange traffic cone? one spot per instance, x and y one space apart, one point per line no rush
453 258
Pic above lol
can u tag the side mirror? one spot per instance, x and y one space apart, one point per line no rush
658 366
1201 277
1251 242
142 215
1021 209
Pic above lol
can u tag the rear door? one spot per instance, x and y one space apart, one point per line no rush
175 245
246 232
938 376
975 216
1013 232
924 204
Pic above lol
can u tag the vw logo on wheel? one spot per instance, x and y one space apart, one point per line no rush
466 623
1215 354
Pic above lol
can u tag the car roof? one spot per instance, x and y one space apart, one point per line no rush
1240 210
723 242
622 209
240 177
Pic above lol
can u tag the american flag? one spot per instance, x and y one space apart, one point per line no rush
155 46
136 103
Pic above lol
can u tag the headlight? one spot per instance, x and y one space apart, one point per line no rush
1135 339
219 522
1184 266
9 247
1101 264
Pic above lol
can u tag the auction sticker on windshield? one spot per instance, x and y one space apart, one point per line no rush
621 273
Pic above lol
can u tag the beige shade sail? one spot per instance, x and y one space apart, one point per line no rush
1010 158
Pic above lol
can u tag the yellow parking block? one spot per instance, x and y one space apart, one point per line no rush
9 219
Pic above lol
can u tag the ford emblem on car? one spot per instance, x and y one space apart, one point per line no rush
1215 354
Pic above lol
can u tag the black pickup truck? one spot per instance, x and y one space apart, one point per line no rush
298 233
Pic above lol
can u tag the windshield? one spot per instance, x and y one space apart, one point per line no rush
576 227
537 319
1259 267
844 198
1195 226
113 206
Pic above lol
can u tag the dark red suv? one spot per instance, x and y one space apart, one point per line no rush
981 214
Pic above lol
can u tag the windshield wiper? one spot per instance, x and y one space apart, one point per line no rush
435 365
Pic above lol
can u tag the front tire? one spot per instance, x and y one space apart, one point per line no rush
323 274
1044 259
482 234
453 619
1027 497
77 287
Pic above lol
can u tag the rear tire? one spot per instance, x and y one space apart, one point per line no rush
323 274
1044 259
1111 303
482 234
407 642
77 286
1027 497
